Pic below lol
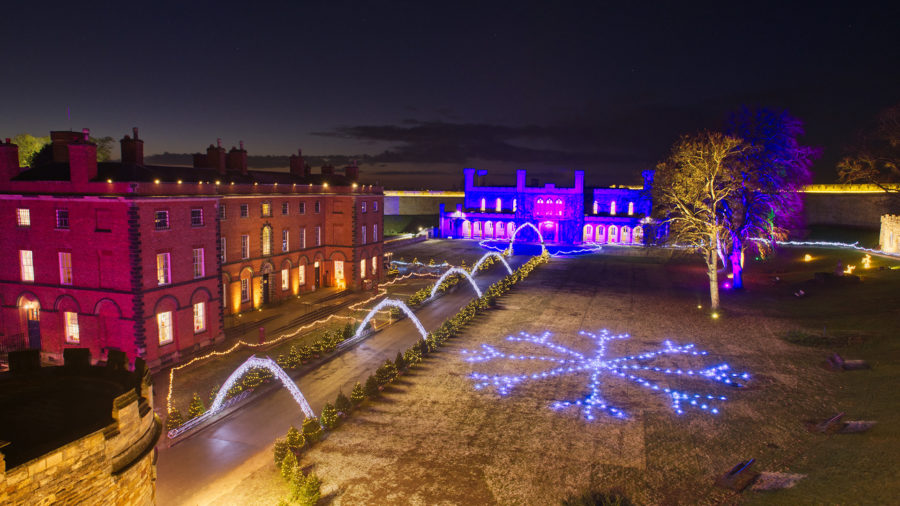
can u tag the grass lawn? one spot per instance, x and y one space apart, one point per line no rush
434 439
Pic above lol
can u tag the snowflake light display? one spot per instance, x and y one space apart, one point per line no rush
598 365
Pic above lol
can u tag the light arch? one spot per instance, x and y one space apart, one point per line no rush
393 303
449 272
520 227
485 257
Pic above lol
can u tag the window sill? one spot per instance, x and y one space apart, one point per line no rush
161 345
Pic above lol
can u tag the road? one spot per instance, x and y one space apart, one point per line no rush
193 471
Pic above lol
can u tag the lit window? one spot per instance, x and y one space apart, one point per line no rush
498 205
245 246
199 317
362 207
285 240
318 236
163 273
317 207
339 272
71 320
303 238
612 207
559 206
483 203
375 233
267 240
222 211
65 268
539 206
595 207
164 324
362 268
196 217
514 205
285 279
223 249
301 275
245 290
199 269
302 207
23 217
267 209
630 208
26 265
374 267
62 218
245 210
162 220
363 234
284 208
375 206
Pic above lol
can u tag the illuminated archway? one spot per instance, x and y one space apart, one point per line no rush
253 361
449 272
485 257
520 227
393 303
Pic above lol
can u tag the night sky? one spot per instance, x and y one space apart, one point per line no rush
426 88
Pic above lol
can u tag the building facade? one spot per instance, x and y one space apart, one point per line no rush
147 259
561 215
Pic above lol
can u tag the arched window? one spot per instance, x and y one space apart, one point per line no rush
498 205
476 231
612 207
637 235
266 240
539 207
588 233
559 207
510 228
499 229
467 229
483 202
626 235
488 229
613 234
601 234
595 207
630 208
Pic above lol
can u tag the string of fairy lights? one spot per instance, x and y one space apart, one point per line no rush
598 365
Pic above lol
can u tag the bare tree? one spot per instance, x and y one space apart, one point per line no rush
690 190
876 158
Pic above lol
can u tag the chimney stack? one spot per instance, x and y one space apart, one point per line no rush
132 149
352 171
59 141
82 158
297 165
215 157
237 159
9 160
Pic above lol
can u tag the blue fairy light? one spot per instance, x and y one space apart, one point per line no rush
630 367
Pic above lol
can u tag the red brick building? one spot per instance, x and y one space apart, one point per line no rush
147 259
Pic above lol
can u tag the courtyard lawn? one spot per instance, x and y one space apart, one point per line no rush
433 439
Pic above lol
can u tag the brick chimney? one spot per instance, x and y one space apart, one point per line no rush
82 159
298 168
9 160
352 171
59 141
215 156
237 159
132 149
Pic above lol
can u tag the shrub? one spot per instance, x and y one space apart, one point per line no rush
288 465
312 430
213 393
175 419
196 408
280 451
386 373
358 394
295 440
372 387
329 416
347 332
342 403
399 362
307 491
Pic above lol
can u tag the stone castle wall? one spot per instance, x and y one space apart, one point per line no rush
112 465
889 240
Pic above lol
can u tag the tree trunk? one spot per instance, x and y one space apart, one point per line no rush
737 270
711 263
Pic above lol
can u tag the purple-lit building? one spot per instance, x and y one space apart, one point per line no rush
563 215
